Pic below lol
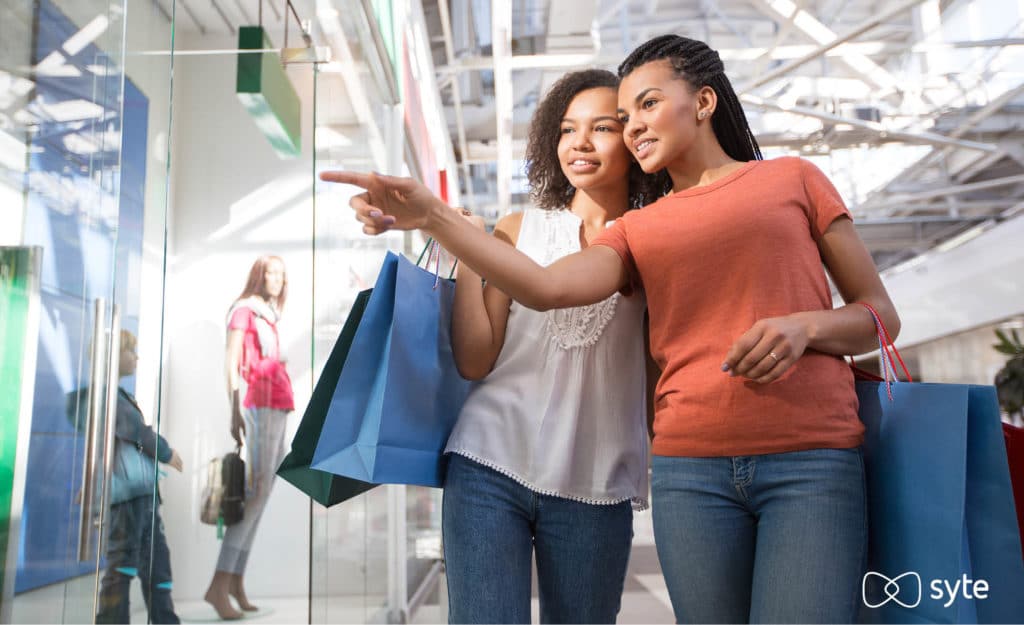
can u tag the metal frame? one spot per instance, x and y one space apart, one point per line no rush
896 51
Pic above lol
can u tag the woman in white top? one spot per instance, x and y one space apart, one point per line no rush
550 451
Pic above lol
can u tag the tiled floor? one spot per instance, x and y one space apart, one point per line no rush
645 599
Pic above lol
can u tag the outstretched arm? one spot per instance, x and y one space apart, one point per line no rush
390 202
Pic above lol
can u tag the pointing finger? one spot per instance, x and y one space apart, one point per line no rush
356 178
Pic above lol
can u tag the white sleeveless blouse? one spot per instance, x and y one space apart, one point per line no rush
564 410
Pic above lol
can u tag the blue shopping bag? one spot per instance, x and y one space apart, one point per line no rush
399 393
943 539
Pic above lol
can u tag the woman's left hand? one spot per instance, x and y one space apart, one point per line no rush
768 349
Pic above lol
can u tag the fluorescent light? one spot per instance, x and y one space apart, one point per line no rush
11 88
964 236
78 41
78 144
12 152
824 35
12 214
73 110
54 65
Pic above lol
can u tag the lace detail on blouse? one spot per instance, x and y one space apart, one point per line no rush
581 326
573 327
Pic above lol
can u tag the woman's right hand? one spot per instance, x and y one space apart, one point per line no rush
390 202
237 427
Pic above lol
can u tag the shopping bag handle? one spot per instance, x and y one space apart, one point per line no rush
886 342
433 247
887 349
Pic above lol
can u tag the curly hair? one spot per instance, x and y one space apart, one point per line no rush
700 66
549 188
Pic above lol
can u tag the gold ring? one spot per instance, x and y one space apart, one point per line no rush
774 357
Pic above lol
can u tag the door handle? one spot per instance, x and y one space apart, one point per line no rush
110 423
85 525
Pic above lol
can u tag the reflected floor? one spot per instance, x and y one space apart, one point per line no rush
645 599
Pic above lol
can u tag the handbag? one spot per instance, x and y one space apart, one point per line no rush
397 402
223 500
323 487
943 540
133 474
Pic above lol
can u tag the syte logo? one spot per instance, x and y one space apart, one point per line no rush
906 590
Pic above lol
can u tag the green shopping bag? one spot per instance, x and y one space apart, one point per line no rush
324 488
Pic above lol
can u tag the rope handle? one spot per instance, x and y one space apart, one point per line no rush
431 249
886 342
886 348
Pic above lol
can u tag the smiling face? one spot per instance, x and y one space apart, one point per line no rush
590 148
663 114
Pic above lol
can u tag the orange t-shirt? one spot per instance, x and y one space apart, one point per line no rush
713 260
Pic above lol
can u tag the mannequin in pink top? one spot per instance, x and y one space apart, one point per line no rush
253 356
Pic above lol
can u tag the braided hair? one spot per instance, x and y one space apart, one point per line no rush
549 188
700 66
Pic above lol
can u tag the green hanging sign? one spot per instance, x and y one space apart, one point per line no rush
265 91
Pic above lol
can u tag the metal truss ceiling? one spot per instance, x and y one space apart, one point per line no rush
914 108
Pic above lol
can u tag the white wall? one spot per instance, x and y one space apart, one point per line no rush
234 200
978 283
962 358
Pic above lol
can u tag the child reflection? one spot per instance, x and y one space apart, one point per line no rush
135 541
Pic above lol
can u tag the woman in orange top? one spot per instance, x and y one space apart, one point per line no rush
758 483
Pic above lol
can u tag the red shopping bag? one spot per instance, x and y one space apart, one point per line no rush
1015 454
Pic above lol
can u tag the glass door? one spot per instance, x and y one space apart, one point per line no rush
63 125
239 204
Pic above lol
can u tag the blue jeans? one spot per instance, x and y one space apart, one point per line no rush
778 538
136 547
492 524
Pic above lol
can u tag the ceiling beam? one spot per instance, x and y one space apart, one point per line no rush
956 189
777 53
810 26
883 132
612 12
712 6
531 61
919 219
963 128
346 65
853 33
